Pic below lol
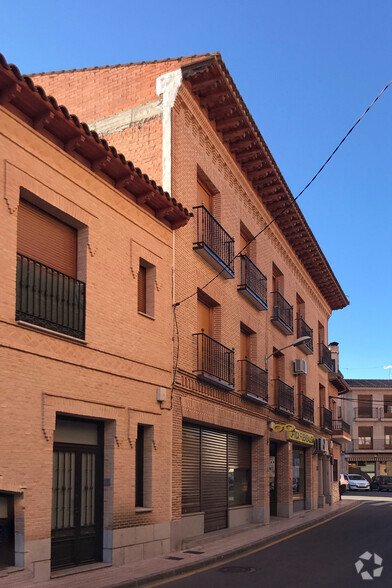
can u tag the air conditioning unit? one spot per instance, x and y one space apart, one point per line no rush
300 367
320 445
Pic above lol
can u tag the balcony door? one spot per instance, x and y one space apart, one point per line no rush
204 197
204 318
77 495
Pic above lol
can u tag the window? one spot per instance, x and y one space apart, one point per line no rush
388 437
45 239
247 244
335 470
321 333
146 288
48 293
364 406
239 470
322 395
277 279
387 406
212 242
298 473
143 466
282 314
365 437
204 197
205 314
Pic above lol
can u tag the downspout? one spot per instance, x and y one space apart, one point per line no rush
168 85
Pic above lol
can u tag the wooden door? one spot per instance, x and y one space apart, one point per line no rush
204 197
204 318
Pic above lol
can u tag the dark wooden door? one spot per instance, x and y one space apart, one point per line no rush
77 505
7 534
214 481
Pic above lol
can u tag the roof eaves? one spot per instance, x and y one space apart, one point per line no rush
16 83
193 68
129 64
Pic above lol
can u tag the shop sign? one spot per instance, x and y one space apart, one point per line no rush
300 437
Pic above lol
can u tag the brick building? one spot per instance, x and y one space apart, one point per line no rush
252 418
85 343
369 411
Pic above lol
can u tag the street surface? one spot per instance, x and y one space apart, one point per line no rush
321 557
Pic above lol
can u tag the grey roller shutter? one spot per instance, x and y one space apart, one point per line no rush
190 468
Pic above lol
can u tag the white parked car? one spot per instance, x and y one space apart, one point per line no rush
357 482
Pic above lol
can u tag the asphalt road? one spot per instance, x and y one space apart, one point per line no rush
321 557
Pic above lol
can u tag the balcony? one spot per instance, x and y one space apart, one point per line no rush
325 418
254 382
253 284
284 397
306 411
367 413
214 362
303 330
341 430
282 314
369 444
47 298
325 358
213 243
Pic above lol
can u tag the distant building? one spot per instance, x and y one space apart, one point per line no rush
85 342
368 408
341 429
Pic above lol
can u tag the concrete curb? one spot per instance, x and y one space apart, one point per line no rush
221 557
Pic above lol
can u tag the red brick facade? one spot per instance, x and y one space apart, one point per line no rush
162 123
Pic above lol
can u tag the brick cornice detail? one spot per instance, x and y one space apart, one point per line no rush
196 120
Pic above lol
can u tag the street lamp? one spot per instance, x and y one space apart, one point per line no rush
295 343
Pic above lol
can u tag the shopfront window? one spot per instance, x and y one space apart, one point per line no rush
239 470
298 473
386 468
239 486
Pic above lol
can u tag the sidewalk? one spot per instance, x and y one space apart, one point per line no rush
209 549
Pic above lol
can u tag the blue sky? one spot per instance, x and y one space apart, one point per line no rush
307 70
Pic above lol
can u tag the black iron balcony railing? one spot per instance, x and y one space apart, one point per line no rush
254 381
282 314
341 425
367 412
284 397
325 357
253 283
213 243
306 409
214 361
50 299
303 330
326 418
368 443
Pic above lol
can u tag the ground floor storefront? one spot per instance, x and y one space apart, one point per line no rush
369 465
236 476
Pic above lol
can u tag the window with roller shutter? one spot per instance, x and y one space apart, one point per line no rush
48 293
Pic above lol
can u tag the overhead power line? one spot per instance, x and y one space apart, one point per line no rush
290 204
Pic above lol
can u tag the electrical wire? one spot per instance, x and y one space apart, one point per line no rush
284 210
175 363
